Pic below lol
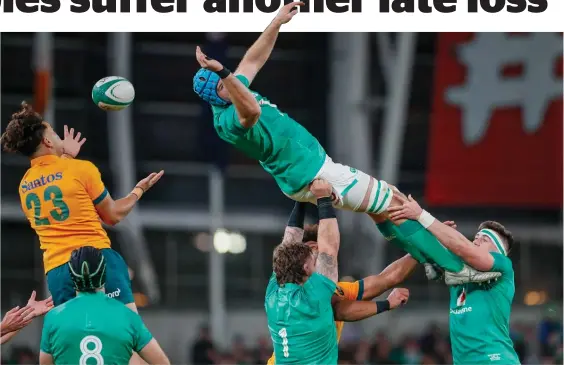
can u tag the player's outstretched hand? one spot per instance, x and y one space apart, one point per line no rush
39 307
207 62
398 297
72 143
16 319
320 188
150 180
287 12
409 209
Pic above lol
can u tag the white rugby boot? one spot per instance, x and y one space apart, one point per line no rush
469 275
433 272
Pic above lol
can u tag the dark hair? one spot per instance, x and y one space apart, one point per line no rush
87 267
288 262
310 233
24 131
501 230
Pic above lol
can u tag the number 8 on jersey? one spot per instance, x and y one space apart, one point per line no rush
91 352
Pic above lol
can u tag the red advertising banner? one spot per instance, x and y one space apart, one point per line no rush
496 130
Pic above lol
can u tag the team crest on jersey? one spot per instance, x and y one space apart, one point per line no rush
461 298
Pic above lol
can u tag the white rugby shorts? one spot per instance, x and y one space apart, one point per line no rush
352 189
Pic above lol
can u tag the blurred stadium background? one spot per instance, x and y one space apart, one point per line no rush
469 124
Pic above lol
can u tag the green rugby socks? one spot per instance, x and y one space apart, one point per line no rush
392 234
418 238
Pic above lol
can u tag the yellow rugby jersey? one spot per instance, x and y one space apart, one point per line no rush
345 290
58 197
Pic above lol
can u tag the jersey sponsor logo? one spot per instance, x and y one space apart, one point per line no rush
497 112
42 181
461 300
114 294
461 310
494 357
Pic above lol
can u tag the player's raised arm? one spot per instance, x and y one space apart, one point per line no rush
247 107
114 211
260 51
352 310
449 237
294 231
391 276
328 236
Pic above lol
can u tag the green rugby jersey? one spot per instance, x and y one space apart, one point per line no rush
301 322
479 319
93 329
283 147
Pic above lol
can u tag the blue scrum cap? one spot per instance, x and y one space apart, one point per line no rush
205 85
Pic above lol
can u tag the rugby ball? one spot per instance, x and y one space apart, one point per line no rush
113 93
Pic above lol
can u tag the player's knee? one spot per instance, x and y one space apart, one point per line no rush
397 195
397 191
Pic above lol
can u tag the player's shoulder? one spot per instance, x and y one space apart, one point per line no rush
112 303
80 164
61 310
244 79
221 111
318 282
121 310
102 303
272 285
501 262
83 168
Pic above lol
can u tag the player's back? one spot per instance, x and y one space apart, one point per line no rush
93 327
58 197
285 149
301 323
345 290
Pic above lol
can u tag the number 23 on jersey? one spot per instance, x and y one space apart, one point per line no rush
52 198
